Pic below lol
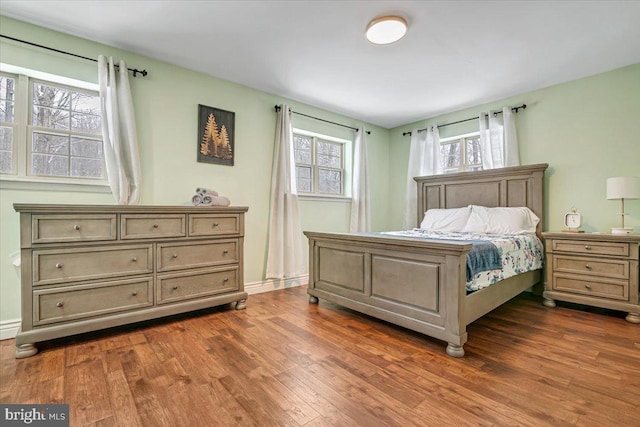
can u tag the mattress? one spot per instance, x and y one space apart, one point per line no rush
517 253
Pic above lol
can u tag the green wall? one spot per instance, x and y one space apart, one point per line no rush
587 130
166 105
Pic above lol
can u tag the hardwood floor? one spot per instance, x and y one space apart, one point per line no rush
285 362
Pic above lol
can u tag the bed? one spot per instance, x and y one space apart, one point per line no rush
420 284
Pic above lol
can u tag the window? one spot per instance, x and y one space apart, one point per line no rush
49 131
320 164
461 153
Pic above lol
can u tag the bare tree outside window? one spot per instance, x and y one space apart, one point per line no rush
461 154
7 118
319 165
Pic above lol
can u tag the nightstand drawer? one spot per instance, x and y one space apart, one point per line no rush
587 285
590 247
611 268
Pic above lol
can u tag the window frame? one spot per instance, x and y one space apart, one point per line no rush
23 133
315 168
463 164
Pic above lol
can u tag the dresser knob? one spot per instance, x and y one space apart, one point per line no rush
588 287
59 304
155 225
215 224
134 294
174 256
175 288
226 251
587 247
58 265
226 279
76 227
588 267
134 259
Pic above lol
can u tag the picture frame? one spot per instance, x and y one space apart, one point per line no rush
216 136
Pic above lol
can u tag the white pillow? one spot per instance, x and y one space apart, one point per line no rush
446 219
501 220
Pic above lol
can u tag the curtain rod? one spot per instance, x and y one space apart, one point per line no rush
277 107
134 70
514 109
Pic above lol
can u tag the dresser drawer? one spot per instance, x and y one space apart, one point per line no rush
140 226
177 256
81 301
72 228
611 268
589 285
588 247
195 284
68 265
213 224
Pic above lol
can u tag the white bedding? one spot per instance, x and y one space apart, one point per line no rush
519 252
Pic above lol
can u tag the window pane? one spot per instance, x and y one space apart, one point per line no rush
7 111
86 123
6 162
6 138
330 181
301 142
473 152
7 88
329 148
51 144
450 155
303 179
302 156
51 96
50 118
329 161
85 103
83 147
86 168
43 164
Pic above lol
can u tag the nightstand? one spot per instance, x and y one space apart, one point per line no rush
600 270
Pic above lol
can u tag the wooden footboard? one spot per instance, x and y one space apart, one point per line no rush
417 284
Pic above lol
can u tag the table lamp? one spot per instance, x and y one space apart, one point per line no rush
623 187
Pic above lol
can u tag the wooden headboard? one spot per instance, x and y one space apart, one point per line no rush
504 187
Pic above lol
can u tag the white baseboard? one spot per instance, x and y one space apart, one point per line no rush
9 329
275 284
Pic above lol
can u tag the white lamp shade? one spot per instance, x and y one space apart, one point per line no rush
623 187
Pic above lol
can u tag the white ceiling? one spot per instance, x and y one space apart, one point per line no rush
456 54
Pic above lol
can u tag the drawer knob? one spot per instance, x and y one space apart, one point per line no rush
134 259
76 227
215 224
59 304
174 256
226 279
175 288
58 265
155 225
134 294
588 267
226 251
587 247
588 287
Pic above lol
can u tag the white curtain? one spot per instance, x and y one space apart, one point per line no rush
360 209
498 140
285 258
424 159
119 132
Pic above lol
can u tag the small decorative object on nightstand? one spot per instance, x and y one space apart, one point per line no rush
593 269
572 221
623 187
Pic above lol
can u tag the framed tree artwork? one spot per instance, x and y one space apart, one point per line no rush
216 135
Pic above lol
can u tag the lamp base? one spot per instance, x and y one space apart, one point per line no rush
620 230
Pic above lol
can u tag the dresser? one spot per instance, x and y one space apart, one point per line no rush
593 269
86 268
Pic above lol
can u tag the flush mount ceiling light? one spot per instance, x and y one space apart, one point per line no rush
386 30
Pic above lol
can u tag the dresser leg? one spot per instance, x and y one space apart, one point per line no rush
313 300
548 302
241 305
633 318
455 350
25 350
